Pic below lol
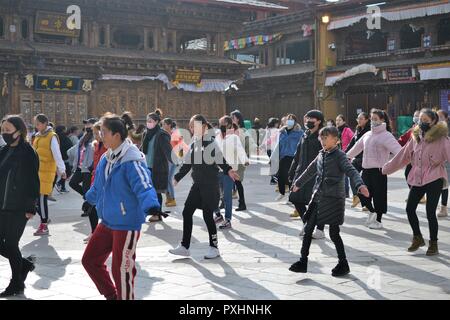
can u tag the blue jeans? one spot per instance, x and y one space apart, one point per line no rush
170 188
227 185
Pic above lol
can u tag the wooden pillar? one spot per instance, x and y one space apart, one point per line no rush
164 40
30 28
145 39
174 41
107 35
208 43
219 45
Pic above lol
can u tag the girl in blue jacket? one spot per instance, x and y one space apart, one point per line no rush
123 194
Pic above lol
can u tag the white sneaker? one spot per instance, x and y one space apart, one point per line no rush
180 251
318 234
443 212
280 197
372 217
376 225
212 253
302 230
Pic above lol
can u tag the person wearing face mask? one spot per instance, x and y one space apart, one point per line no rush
427 151
19 190
377 146
403 140
361 129
307 150
345 136
443 116
158 154
82 163
290 137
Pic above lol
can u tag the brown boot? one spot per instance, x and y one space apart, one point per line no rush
416 243
432 249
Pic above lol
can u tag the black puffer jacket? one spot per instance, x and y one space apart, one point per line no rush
307 150
329 168
19 179
357 161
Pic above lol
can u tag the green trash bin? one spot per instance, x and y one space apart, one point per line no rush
404 123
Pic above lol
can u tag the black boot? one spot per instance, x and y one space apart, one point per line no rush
241 207
27 266
300 266
13 289
341 269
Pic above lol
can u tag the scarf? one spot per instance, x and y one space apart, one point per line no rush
149 134
113 156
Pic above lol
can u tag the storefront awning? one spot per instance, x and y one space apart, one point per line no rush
362 68
206 85
434 71
396 14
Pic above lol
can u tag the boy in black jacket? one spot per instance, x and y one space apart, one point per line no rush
328 200
204 158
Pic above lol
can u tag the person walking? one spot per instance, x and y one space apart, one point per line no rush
46 145
361 129
65 145
204 159
443 116
82 165
270 141
19 190
122 193
345 136
377 145
427 151
290 137
328 201
158 153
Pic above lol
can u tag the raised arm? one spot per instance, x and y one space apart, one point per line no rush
401 159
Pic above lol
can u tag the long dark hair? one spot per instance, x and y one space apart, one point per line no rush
128 120
384 116
239 116
19 124
366 116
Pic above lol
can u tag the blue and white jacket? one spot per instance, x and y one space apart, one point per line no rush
123 197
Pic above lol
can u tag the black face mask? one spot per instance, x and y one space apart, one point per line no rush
88 130
8 137
424 126
223 129
310 124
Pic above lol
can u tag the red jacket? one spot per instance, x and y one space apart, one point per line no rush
403 140
98 152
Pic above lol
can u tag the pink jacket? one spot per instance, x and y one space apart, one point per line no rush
346 137
377 145
427 156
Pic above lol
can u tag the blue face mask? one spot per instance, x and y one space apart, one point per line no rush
290 123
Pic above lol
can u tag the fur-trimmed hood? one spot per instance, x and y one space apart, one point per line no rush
438 131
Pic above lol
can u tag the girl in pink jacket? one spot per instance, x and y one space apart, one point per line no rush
377 145
345 136
427 151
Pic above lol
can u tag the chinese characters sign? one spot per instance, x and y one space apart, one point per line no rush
44 83
188 76
54 24
400 74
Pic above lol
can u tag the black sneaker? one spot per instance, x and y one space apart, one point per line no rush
300 266
241 208
341 269
28 266
273 182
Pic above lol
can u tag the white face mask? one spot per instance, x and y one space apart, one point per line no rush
375 124
416 120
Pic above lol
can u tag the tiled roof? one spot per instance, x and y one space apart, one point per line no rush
242 3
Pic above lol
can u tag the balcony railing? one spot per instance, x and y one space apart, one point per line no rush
365 56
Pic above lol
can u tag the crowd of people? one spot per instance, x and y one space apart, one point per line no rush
122 170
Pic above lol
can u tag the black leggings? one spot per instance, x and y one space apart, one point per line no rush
334 236
240 189
80 177
433 191
12 225
444 198
93 218
376 182
283 174
205 197
43 208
